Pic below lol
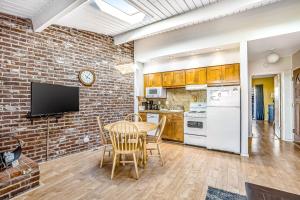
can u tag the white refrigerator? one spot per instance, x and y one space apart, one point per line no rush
223 118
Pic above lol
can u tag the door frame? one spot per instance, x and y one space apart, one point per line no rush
280 102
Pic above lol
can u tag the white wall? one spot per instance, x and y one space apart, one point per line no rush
279 18
284 68
187 62
245 103
261 67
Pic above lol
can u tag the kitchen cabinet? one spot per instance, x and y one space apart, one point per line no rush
153 80
179 78
195 76
174 127
174 78
223 74
167 78
214 75
143 116
231 73
146 80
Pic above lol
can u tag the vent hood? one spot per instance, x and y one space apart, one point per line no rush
196 87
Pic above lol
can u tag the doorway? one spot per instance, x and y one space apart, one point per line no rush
266 100
296 82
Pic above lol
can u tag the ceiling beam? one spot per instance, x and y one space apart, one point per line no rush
53 11
214 11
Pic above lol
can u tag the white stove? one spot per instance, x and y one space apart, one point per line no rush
195 125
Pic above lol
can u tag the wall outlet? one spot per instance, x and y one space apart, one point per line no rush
86 139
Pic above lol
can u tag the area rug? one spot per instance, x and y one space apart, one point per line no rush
217 194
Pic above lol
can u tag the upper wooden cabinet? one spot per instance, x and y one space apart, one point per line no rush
214 75
223 74
167 79
231 73
195 76
146 80
154 80
179 78
173 79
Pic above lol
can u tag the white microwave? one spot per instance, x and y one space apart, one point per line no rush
156 92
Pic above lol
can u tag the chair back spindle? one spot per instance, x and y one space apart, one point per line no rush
124 136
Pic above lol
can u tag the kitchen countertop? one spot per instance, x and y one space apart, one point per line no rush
161 111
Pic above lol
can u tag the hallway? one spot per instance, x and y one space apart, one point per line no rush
265 143
280 159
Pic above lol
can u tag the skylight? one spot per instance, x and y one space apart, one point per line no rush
123 5
121 9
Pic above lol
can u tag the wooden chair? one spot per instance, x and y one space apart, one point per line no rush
125 140
105 138
153 142
132 117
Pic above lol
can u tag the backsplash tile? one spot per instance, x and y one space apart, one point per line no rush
182 97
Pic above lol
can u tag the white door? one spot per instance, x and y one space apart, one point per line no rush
223 128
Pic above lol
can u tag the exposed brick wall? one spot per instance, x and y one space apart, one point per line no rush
56 56
16 180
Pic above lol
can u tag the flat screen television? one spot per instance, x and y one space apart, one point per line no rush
48 99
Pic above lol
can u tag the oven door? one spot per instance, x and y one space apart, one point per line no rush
195 126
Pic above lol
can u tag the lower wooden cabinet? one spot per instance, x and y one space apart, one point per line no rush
143 116
174 125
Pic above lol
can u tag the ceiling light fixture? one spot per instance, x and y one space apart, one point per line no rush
121 10
273 57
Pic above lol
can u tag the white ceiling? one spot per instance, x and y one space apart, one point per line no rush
87 16
90 17
284 45
22 8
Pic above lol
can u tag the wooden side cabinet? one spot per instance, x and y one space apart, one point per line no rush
195 76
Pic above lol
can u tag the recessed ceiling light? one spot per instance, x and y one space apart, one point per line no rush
121 10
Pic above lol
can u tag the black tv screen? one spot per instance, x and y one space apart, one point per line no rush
48 99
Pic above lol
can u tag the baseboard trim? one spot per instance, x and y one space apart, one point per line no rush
245 155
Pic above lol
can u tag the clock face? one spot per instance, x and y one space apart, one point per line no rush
87 77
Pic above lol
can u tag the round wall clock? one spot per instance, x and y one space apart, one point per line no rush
87 77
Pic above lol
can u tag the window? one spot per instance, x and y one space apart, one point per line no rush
121 9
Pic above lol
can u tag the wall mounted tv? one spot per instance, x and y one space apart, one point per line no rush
48 99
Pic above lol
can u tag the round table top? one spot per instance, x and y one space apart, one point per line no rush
142 126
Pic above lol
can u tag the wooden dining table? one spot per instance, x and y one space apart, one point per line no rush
143 128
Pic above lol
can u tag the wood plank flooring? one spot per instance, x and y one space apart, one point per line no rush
187 173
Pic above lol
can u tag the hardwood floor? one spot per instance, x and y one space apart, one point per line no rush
187 172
